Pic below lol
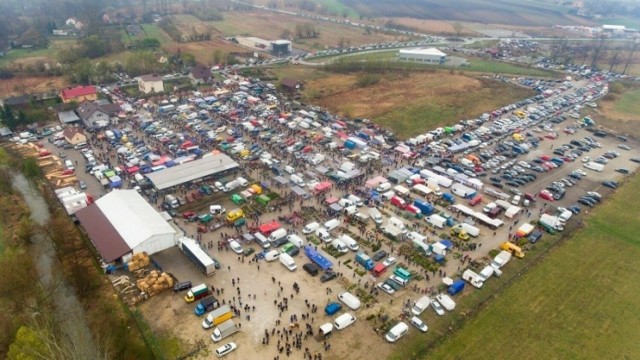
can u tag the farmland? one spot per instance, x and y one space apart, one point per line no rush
31 84
525 13
429 99
270 26
579 303
619 110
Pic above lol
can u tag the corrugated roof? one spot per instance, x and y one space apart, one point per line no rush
68 117
102 233
78 91
176 175
429 51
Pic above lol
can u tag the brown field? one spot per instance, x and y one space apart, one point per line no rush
439 27
34 84
271 25
188 23
408 104
203 50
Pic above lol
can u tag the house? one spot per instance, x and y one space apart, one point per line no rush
74 135
68 117
79 94
92 115
199 74
291 84
17 101
73 22
150 83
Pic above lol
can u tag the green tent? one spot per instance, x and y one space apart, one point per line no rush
237 199
109 173
449 130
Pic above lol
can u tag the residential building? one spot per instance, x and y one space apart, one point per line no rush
199 74
74 135
92 115
150 83
291 85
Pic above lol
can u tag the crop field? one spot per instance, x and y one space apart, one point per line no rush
439 27
411 104
524 13
579 303
270 26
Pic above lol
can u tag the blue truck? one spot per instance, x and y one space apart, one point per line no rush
425 207
456 287
449 198
317 258
206 304
364 260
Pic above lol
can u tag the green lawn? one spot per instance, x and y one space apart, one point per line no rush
629 102
580 302
25 53
153 31
496 67
338 8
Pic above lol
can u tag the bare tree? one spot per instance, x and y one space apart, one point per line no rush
632 50
596 52
614 61
457 27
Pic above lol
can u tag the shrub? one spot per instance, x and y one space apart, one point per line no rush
365 80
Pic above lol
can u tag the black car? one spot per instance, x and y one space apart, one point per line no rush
535 236
513 183
181 286
587 201
498 185
636 160
610 184
622 171
379 255
311 268
328 275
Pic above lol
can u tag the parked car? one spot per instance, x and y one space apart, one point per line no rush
379 255
610 184
386 288
328 275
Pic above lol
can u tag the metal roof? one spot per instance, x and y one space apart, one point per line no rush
429 51
210 164
68 117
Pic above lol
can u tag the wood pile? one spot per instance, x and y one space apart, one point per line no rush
155 283
138 261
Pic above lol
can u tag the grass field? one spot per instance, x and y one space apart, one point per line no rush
629 103
619 111
154 32
408 104
579 303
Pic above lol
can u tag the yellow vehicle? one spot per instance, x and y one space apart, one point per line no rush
520 114
234 215
244 153
255 189
518 137
512 248
124 139
460 233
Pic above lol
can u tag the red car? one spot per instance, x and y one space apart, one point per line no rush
545 157
189 215
546 195
398 202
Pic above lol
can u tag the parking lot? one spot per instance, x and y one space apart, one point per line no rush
267 137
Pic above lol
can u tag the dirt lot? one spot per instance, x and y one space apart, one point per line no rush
270 26
203 50
34 84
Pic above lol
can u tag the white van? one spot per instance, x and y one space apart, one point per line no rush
343 321
277 235
323 235
68 164
350 242
398 223
397 332
340 246
310 227
289 169
345 202
375 215
296 240
331 224
388 195
594 166
262 240
385 186
421 305
296 179
350 300
272 255
356 200
287 261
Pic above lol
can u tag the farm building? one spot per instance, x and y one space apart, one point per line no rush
150 83
199 74
291 85
428 56
122 223
79 94
208 166
280 47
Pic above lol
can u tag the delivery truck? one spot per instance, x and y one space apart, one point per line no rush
501 259
436 220
224 330
446 302
472 278
217 316
288 262
205 305
364 260
196 293
421 305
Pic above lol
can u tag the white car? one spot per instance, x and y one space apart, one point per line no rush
437 307
225 349
419 324
586 159
220 129
386 288
236 247
390 261
219 186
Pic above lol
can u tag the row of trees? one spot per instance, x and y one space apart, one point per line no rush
619 57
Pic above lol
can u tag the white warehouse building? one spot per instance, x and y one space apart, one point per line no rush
428 56
122 223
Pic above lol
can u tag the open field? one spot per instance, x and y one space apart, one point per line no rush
629 22
203 50
620 112
27 56
579 303
527 13
270 26
154 32
187 24
411 104
438 27
32 84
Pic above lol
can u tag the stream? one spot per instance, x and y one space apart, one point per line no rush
68 311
